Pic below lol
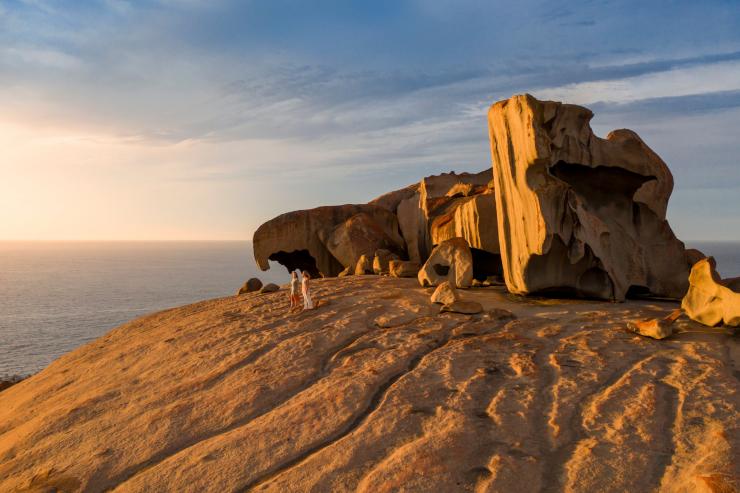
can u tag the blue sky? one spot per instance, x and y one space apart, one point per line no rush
195 119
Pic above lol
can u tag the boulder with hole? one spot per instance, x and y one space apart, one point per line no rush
451 261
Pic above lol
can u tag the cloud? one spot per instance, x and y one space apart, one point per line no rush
684 81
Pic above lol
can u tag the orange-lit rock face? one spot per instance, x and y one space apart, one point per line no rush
576 213
710 300
409 222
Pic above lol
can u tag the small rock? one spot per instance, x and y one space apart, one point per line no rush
250 286
403 268
465 307
364 266
381 260
657 329
445 294
270 288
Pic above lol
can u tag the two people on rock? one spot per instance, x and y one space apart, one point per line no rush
305 290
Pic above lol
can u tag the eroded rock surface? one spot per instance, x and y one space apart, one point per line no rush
579 214
362 235
233 395
445 196
306 239
408 222
450 261
709 300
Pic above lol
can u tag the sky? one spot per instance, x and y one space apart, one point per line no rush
201 119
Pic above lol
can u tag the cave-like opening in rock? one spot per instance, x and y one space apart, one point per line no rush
637 292
600 185
441 270
297 259
486 264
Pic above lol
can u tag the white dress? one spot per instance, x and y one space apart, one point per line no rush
294 282
307 301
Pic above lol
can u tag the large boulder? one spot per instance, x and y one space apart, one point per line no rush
360 235
468 217
580 214
298 239
710 300
253 284
433 197
451 261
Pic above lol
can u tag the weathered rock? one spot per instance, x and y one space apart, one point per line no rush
391 200
297 239
465 307
577 213
655 329
445 294
381 259
253 284
450 260
470 218
235 394
362 235
270 288
403 268
433 197
709 301
364 266
348 271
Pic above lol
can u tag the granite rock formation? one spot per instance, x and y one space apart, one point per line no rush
440 196
362 235
578 214
450 261
319 240
710 300
408 222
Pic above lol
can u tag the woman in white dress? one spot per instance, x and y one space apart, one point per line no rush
295 297
307 301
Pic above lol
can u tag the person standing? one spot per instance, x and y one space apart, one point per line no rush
295 296
306 288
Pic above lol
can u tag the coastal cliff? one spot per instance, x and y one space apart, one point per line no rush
376 390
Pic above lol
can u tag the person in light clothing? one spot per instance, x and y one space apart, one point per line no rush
307 301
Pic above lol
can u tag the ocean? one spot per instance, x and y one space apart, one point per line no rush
56 296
